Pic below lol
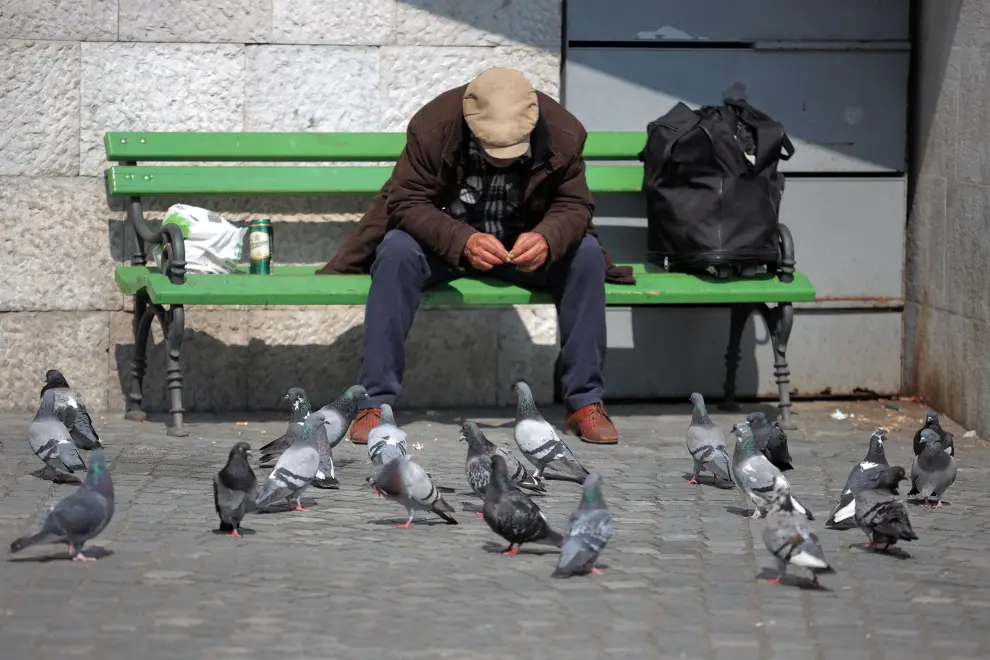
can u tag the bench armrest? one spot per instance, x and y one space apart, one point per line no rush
170 237
786 246
173 254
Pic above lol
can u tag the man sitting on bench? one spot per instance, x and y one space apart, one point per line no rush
506 198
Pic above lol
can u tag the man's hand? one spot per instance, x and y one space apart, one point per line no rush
483 251
529 252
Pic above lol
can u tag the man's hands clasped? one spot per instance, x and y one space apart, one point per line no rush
484 252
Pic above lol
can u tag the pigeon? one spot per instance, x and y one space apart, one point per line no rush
539 442
754 474
80 516
71 411
405 481
340 413
234 489
706 444
513 515
934 470
295 468
881 514
478 467
588 530
301 409
864 474
789 537
50 440
386 441
771 441
932 423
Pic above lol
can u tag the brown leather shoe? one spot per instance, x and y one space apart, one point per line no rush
366 420
592 424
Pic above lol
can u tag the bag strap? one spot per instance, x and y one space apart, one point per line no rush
680 119
772 143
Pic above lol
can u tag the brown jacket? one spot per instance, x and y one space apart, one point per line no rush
430 172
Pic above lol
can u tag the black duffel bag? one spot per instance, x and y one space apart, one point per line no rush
713 190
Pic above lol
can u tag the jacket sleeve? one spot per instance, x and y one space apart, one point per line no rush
569 214
411 206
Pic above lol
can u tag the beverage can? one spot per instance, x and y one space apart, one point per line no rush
261 241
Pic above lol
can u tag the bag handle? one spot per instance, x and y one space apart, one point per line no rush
684 120
772 143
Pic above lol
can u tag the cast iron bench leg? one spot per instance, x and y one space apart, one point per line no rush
176 318
780 321
737 323
141 324
172 322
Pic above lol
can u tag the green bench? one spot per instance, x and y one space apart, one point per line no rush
163 294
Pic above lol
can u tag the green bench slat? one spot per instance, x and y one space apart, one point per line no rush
297 285
307 147
139 180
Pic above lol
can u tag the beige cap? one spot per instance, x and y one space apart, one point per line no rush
500 108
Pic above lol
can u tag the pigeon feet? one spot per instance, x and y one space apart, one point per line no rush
694 480
480 514
512 550
79 556
597 571
234 534
405 525
299 507
938 505
775 580
814 581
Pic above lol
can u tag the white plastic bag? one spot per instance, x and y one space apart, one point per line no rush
212 244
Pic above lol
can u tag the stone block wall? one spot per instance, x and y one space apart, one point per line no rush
947 316
69 71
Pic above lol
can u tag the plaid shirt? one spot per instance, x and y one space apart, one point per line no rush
490 196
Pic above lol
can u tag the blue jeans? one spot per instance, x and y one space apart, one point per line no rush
403 269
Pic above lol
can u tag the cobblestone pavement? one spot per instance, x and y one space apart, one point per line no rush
681 571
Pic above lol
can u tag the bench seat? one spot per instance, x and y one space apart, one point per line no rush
163 295
297 285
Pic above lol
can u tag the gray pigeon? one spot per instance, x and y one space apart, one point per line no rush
340 413
70 409
755 475
404 481
234 489
539 442
301 408
933 471
80 516
706 444
771 441
478 467
511 513
932 423
864 474
588 530
881 514
50 440
295 468
789 537
386 441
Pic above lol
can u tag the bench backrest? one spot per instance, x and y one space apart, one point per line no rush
130 179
